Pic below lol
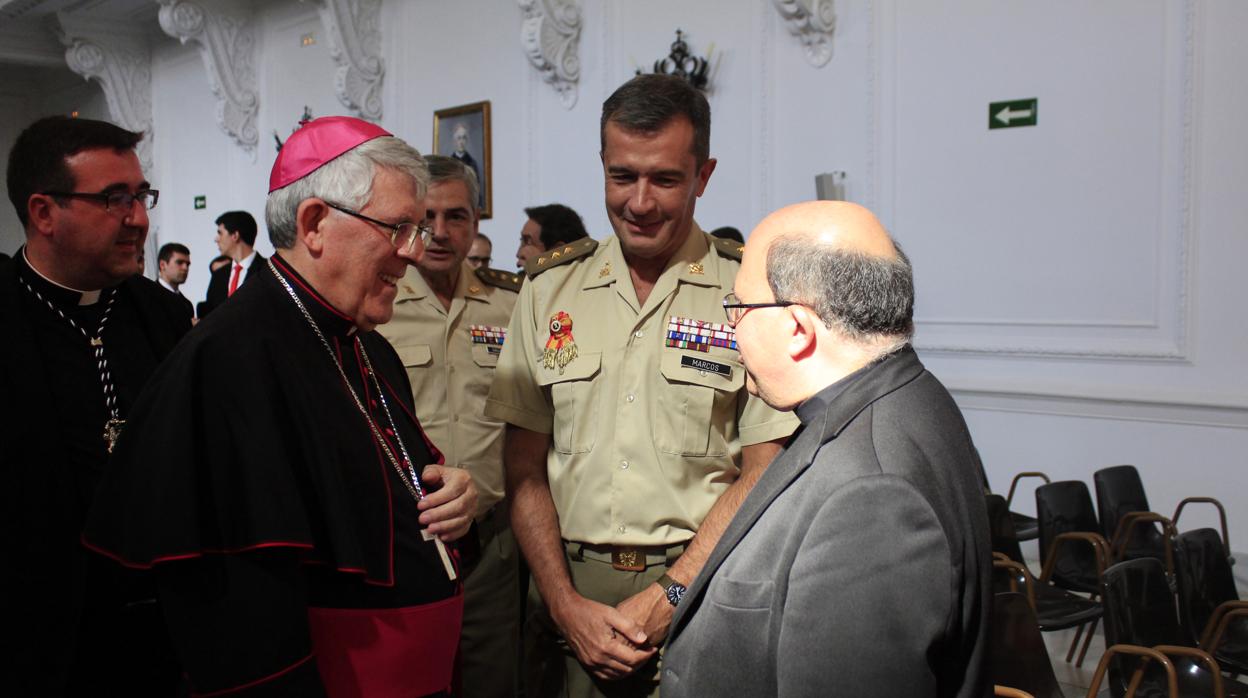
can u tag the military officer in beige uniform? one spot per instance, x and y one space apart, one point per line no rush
631 441
449 326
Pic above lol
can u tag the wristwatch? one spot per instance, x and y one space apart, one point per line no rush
673 589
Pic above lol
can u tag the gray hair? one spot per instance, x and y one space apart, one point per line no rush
347 180
868 299
443 168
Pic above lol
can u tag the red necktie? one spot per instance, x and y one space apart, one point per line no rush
238 268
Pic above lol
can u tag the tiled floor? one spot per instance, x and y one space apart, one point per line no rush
1074 681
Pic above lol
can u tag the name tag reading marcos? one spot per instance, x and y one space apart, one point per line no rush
705 365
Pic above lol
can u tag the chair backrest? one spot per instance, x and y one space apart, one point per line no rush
1001 526
1204 578
1119 491
1139 610
1019 657
1062 507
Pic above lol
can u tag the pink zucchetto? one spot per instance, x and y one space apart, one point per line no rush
317 143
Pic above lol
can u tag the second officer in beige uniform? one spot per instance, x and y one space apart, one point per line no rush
631 441
449 327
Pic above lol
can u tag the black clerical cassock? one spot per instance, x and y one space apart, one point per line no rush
73 624
284 536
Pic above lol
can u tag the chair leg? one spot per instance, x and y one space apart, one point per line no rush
1075 643
1086 641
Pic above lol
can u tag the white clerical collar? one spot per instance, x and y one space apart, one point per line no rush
84 298
166 284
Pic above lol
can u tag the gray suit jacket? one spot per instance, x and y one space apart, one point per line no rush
858 566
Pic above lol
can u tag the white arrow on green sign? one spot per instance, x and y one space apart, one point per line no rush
1018 112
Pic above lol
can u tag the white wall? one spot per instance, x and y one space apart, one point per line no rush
1079 281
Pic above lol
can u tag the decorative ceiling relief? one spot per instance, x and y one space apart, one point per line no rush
119 59
550 34
812 22
355 45
227 44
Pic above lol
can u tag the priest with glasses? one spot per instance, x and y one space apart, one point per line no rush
304 544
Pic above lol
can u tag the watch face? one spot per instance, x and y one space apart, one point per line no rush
675 593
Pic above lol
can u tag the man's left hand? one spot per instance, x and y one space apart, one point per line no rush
450 502
650 609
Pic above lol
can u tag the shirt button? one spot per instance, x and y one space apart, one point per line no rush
702 373
623 465
630 397
639 334
622 529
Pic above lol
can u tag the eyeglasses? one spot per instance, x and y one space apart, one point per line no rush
735 309
114 200
402 235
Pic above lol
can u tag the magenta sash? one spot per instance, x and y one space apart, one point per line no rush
389 652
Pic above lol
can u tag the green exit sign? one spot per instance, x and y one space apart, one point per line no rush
201 202
1012 114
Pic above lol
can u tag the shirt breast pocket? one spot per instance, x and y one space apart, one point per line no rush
415 355
575 401
486 355
698 403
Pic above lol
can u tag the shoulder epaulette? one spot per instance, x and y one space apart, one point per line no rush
500 278
729 248
560 255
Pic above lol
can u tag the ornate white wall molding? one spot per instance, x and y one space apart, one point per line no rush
120 60
1071 401
812 22
550 34
355 45
223 31
1063 333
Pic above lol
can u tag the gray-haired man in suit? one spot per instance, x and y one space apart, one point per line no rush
859 565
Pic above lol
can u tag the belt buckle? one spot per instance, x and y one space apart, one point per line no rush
628 559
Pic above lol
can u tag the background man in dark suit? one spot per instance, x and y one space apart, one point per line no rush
859 565
236 238
174 262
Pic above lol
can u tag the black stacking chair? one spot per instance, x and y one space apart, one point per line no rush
1073 553
1025 527
1019 659
1213 616
1133 529
1140 612
1054 608
1226 539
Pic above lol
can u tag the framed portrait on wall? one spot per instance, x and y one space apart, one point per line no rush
463 133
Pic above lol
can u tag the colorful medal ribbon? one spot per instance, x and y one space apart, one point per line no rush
560 348
488 335
699 335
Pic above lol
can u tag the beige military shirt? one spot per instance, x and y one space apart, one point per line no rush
450 358
646 430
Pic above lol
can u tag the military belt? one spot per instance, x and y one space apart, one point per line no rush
626 558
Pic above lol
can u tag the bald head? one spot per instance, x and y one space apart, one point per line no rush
833 225
836 258
831 292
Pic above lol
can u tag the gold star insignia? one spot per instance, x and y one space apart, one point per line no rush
696 268
474 289
605 270
409 289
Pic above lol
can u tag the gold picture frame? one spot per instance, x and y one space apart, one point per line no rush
463 133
